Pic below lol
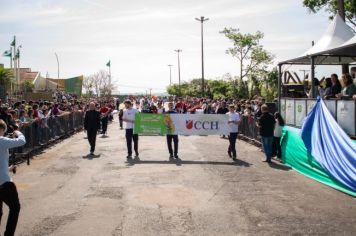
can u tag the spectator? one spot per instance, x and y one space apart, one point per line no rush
316 84
324 92
277 150
335 87
349 88
327 91
266 126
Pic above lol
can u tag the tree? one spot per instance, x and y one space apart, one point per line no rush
100 83
6 75
250 54
331 6
247 49
27 86
88 84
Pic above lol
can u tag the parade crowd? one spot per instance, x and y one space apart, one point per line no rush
97 112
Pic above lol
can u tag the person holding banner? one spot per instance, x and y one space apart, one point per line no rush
172 137
234 121
129 119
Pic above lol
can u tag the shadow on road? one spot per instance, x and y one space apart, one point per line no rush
91 157
277 166
180 162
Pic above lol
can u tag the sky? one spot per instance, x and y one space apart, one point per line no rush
140 36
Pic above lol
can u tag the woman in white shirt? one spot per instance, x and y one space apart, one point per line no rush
276 149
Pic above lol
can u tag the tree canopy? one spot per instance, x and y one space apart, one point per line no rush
331 6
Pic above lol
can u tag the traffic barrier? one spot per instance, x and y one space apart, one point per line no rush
41 133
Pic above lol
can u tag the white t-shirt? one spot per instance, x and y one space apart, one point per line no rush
5 145
234 128
277 130
129 114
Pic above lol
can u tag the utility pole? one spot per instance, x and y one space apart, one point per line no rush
170 74
202 19
341 12
57 65
150 93
179 51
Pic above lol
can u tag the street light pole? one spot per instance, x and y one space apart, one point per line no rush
57 65
170 74
178 51
202 19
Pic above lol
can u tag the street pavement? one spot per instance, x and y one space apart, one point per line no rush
203 193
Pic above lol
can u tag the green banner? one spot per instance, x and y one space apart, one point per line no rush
149 124
74 85
295 155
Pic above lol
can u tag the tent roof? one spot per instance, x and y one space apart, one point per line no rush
338 34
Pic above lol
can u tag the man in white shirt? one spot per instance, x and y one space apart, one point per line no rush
8 191
129 119
234 121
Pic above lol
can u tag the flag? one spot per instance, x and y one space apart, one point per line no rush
13 42
331 147
108 64
7 53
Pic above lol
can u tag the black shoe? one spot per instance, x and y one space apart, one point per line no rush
176 156
229 153
170 156
129 157
234 158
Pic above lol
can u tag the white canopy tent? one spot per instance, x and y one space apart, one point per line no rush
337 34
337 46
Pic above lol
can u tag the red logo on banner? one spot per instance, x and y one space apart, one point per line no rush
189 124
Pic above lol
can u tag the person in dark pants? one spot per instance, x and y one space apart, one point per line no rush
266 126
92 125
234 121
172 137
121 113
104 112
129 119
277 150
8 191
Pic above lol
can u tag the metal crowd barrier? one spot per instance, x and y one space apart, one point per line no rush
248 130
41 133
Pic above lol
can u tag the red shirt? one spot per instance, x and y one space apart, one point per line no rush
104 110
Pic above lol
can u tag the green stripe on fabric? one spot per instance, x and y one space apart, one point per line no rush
296 156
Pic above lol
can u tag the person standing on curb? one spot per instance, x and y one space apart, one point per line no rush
172 137
92 125
129 119
266 126
234 121
8 190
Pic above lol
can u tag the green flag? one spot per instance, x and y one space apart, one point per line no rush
108 64
13 42
7 53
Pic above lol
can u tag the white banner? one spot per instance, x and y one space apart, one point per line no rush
198 124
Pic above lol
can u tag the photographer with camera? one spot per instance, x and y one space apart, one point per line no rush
8 191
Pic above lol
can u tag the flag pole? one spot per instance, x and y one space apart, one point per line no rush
110 72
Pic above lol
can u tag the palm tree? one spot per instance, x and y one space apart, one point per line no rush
6 76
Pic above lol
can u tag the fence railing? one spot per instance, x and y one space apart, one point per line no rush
43 132
248 129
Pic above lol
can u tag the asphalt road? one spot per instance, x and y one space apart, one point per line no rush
204 193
